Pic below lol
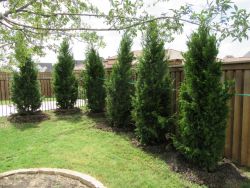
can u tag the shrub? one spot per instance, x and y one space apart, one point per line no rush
94 82
119 88
203 102
152 91
25 88
64 81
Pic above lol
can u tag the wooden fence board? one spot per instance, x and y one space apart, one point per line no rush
237 124
245 144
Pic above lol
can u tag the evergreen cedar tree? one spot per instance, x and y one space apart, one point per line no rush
25 88
202 102
64 80
94 82
151 103
119 87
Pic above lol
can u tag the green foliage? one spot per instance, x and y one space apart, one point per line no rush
119 87
203 102
152 93
43 21
94 81
25 88
64 80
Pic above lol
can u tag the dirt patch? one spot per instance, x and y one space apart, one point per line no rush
39 180
28 118
227 175
67 111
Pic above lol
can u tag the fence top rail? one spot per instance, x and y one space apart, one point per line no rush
236 65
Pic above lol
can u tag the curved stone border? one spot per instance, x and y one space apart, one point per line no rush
83 178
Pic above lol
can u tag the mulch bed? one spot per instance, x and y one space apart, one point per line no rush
39 180
227 175
67 111
28 118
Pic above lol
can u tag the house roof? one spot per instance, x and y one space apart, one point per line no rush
170 53
236 59
79 65
47 67
44 67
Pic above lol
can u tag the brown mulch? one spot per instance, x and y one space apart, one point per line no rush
28 118
67 111
227 174
39 180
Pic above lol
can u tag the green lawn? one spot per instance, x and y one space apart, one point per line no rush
74 143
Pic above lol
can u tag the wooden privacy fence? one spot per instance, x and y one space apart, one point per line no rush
44 78
237 143
48 102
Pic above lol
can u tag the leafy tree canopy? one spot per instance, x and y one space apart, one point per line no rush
43 20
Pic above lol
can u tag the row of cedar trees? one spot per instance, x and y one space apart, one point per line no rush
198 132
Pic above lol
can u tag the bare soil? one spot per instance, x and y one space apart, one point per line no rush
28 118
67 111
39 180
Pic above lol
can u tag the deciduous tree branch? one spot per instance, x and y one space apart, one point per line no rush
95 29
18 9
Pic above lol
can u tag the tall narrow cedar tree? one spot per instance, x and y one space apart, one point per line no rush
65 82
94 82
151 104
119 87
25 89
203 102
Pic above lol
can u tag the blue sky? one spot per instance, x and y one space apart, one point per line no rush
112 39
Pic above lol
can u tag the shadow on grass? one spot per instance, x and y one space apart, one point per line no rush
72 116
227 175
101 123
25 126
28 121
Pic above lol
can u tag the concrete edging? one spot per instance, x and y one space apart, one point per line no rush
83 178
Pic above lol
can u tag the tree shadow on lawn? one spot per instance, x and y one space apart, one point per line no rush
227 175
23 122
25 126
72 116
101 123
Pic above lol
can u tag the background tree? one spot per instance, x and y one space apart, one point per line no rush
64 81
119 88
203 102
94 81
43 20
25 90
152 91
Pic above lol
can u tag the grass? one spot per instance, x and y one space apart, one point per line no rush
73 142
